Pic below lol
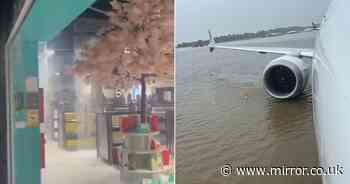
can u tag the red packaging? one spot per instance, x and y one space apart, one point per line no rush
166 156
128 124
155 145
115 157
154 123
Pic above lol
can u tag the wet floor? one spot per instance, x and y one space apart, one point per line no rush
77 167
224 116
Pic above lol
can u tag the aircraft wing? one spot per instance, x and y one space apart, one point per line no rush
309 53
264 50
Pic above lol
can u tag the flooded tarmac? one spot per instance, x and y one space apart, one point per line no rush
224 116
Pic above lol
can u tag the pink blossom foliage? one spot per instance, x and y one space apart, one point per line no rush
138 40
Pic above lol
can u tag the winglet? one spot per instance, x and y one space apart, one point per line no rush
315 26
211 42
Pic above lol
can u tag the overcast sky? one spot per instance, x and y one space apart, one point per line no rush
195 17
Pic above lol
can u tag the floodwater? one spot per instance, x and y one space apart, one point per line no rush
225 117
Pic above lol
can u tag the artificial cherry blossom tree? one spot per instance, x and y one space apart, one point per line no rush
138 40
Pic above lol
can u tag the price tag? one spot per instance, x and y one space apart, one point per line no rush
20 124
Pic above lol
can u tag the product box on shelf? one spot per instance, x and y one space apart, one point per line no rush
129 123
156 161
138 142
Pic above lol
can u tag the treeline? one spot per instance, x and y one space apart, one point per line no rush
245 36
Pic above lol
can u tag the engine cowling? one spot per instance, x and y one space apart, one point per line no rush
286 77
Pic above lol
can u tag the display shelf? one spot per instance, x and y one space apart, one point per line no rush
147 152
144 171
142 134
117 144
139 172
68 126
121 113
139 160
115 128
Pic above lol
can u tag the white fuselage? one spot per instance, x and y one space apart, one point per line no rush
331 90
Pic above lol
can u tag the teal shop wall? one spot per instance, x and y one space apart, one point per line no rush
46 19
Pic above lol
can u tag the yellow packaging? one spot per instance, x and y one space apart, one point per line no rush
117 136
32 118
71 127
116 121
156 162
70 116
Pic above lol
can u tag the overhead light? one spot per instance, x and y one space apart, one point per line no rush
58 73
49 52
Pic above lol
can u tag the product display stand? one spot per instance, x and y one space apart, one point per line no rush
143 159
143 163
109 136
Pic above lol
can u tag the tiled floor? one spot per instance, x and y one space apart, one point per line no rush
79 167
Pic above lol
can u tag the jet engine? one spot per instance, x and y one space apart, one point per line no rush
286 77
